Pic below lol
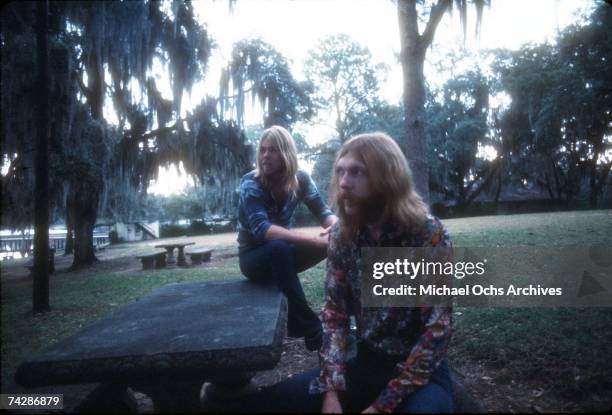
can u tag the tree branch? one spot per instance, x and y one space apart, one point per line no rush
494 167
435 16
86 91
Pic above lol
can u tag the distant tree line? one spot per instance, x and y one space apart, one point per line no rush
537 119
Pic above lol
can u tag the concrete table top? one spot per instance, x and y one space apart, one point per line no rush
180 332
173 245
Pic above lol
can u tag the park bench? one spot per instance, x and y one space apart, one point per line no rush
150 260
200 255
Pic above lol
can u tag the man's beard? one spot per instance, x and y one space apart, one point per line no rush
369 210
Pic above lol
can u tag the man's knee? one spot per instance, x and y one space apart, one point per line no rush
282 256
278 247
431 398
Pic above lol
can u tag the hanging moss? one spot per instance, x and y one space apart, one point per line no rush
117 163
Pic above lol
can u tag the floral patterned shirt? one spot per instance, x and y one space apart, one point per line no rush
421 335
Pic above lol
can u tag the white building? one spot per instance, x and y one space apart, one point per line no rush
136 231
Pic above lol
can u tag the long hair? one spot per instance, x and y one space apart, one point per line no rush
280 138
390 180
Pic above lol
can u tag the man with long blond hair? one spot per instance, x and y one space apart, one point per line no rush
269 250
400 364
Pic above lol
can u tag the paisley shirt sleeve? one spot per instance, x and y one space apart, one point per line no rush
332 355
429 350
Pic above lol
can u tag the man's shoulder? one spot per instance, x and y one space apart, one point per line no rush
336 239
301 174
250 181
303 178
433 231
249 176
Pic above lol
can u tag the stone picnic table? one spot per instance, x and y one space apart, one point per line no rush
168 343
181 254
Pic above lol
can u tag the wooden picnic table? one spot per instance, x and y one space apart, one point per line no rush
169 342
169 247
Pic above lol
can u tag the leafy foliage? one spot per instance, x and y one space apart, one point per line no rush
560 120
101 51
457 127
257 68
346 82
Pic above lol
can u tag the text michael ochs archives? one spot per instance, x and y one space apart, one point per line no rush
458 270
521 276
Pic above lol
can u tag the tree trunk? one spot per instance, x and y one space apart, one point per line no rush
597 184
69 245
413 58
85 213
85 195
498 192
412 55
40 291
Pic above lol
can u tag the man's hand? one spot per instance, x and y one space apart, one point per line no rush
369 410
320 241
331 403
330 221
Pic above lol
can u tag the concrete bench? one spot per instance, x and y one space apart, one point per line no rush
156 259
199 256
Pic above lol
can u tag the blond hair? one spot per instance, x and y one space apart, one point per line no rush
390 180
281 138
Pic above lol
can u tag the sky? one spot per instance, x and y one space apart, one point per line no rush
295 26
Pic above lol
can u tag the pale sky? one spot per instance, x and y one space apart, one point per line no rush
295 26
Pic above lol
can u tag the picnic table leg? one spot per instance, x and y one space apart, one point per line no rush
109 398
174 396
147 263
196 259
170 260
222 391
160 261
181 256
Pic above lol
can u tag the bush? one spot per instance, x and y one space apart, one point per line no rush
171 231
198 227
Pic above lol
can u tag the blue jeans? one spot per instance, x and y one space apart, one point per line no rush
366 376
280 262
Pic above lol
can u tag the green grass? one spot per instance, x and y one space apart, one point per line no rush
564 349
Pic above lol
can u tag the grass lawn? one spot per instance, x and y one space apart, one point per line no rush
565 349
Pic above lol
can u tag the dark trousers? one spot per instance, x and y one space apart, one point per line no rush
280 262
366 376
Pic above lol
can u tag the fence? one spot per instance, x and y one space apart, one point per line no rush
23 245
